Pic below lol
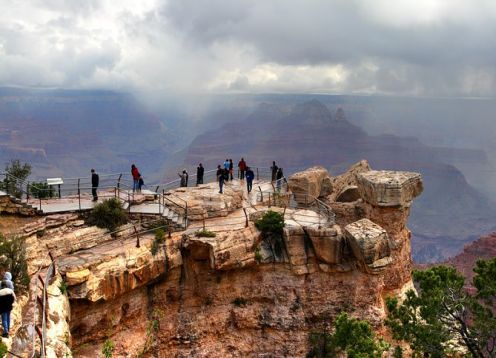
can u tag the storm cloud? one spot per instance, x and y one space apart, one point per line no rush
422 47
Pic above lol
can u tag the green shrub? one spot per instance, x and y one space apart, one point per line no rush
271 225
108 348
351 336
108 215
205 233
17 173
41 190
258 255
3 350
63 287
13 259
157 241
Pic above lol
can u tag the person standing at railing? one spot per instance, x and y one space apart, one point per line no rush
199 174
274 169
231 169
249 179
95 179
184 178
220 178
226 168
279 177
136 175
7 299
242 168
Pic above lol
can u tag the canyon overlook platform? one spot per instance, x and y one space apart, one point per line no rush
345 247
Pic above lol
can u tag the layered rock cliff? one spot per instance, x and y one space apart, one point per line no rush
232 294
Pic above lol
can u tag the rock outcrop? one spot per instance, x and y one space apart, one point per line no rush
213 294
310 184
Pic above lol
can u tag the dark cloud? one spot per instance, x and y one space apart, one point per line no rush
417 47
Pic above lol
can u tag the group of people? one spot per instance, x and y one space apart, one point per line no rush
137 181
7 299
225 173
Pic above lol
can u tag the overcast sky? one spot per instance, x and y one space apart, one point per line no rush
405 47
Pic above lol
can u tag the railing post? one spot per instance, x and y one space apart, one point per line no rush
257 175
246 217
119 180
137 237
269 199
261 194
79 193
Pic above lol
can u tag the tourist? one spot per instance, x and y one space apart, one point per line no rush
279 178
7 277
95 179
184 178
141 182
7 299
220 177
136 175
242 168
249 179
274 168
199 174
231 168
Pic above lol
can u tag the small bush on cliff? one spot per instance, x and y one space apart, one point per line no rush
41 190
3 350
108 348
13 259
271 225
351 336
205 233
16 174
443 312
108 215
157 241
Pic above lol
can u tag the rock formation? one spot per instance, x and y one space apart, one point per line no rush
228 293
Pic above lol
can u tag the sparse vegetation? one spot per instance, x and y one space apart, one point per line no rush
41 190
258 255
108 215
3 350
271 225
13 259
443 314
63 287
240 302
205 233
157 241
108 348
351 336
17 173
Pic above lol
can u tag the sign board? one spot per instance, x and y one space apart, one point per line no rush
54 181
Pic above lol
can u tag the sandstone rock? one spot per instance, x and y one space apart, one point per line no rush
348 194
328 243
76 277
204 201
389 188
348 178
310 184
369 243
294 240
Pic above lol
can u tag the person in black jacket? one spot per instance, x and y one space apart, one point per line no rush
7 299
249 179
94 184
199 174
220 178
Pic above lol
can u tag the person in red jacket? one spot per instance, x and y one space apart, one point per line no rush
136 176
242 168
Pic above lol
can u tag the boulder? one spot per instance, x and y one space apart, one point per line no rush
310 184
389 188
328 243
369 243
347 179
